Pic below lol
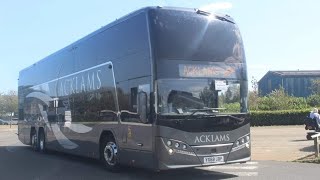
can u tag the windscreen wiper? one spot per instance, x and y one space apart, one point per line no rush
205 110
237 118
212 110
224 18
232 117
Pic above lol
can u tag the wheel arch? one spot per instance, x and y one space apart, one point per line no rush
32 131
41 129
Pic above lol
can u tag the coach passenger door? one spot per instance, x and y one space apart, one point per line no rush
136 129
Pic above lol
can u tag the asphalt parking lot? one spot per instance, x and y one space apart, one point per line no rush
280 143
19 161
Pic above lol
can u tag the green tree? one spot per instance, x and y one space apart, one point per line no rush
280 100
315 86
208 95
254 95
253 100
313 100
8 103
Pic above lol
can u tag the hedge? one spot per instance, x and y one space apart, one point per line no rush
285 117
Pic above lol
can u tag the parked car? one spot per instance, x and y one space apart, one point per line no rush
14 121
3 122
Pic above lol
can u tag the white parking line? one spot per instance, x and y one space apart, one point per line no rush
244 173
251 162
233 167
245 169
10 148
241 173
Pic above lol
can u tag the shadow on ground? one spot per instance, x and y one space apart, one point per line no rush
23 163
308 149
300 140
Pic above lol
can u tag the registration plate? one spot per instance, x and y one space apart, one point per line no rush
213 159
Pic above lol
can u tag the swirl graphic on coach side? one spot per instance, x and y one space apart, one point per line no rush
61 138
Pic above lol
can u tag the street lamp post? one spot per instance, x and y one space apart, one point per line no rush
12 114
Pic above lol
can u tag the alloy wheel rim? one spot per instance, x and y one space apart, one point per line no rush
110 153
41 144
34 140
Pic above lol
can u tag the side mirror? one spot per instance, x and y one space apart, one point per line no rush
142 106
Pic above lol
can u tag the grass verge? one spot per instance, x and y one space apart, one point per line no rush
309 159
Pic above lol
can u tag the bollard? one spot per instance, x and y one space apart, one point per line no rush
316 145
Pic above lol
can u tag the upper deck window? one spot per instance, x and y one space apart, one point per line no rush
190 36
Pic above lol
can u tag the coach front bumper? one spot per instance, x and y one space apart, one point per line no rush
173 153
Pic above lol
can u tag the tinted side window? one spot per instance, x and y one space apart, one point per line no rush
94 97
129 101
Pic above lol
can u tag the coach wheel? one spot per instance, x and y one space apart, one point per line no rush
34 141
308 137
110 154
42 145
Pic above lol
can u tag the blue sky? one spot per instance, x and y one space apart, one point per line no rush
278 35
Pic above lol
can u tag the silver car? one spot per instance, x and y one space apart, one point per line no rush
3 122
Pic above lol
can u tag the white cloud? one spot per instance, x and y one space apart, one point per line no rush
216 6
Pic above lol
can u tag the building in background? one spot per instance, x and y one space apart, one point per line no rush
296 83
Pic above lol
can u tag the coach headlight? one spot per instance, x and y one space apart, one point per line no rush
170 151
237 143
184 147
169 143
243 142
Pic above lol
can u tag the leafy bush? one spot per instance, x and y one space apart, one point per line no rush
315 86
268 118
277 100
313 100
253 100
231 107
278 108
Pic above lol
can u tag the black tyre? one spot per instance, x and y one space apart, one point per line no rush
109 154
308 137
34 141
41 142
